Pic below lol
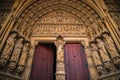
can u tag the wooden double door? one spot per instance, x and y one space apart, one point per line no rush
44 62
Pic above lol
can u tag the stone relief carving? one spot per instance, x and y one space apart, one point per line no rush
23 58
16 53
111 48
8 49
104 54
59 23
95 54
96 59
60 52
91 32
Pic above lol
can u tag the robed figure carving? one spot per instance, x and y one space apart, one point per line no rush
23 58
16 54
109 43
104 54
8 49
97 59
60 52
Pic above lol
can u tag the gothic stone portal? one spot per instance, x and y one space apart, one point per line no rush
48 28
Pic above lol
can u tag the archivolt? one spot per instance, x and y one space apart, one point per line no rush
39 8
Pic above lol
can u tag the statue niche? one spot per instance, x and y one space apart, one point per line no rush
8 49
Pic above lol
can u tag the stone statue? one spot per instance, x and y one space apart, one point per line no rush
16 54
8 49
60 68
110 46
104 54
23 58
60 52
95 55
96 58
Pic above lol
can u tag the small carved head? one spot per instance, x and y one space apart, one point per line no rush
13 35
98 40
20 40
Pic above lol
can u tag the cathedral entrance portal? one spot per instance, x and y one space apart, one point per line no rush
70 60
32 26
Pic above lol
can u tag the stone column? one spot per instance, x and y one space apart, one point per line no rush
60 66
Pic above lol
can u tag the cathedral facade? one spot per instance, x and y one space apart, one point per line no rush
59 40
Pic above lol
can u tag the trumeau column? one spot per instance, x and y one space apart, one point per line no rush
60 66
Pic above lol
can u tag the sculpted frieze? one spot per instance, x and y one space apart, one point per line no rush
59 29
59 23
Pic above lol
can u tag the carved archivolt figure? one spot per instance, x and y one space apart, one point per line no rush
96 59
16 53
109 43
91 32
60 52
23 57
104 54
8 49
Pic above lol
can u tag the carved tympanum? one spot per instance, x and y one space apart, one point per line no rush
59 23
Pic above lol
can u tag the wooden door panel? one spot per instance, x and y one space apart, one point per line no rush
75 62
42 68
